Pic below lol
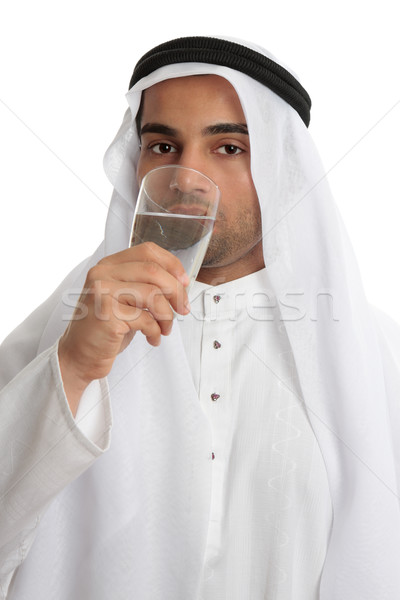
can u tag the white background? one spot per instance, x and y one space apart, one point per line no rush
65 68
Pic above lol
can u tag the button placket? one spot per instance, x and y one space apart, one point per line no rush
216 344
213 377
214 394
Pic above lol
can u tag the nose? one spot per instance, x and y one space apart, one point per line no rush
190 181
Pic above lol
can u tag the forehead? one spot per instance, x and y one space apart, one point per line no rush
185 97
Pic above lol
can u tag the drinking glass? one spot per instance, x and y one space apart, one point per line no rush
176 209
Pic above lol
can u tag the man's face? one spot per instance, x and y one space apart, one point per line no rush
198 122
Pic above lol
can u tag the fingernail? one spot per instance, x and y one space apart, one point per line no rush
184 279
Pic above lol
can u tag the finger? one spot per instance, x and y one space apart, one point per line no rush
150 252
142 320
154 302
141 280
149 298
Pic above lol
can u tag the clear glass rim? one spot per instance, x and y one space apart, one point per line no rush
173 166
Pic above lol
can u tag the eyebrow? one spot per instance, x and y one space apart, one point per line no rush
158 128
225 128
216 129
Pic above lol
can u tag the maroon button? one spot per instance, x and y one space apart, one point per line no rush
214 397
217 345
216 299
212 455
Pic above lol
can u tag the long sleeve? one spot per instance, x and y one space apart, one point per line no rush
42 449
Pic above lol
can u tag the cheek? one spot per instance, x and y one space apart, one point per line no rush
140 170
237 190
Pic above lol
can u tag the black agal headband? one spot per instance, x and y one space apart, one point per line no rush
229 54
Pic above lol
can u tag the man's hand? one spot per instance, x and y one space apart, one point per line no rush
133 290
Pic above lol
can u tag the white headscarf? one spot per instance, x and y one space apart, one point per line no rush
146 500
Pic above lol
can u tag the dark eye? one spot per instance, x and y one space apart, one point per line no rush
163 148
230 149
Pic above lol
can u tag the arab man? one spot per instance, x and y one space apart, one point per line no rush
240 442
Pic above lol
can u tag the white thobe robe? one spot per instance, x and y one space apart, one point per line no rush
270 510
